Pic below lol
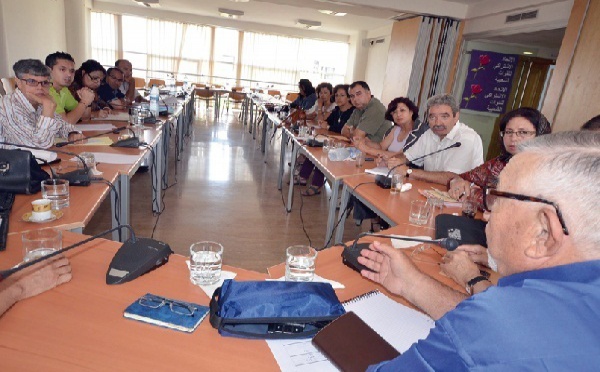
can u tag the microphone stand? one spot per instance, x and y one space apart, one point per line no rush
6 273
114 131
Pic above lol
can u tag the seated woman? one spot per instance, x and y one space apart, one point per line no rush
324 105
334 123
515 127
307 97
90 75
406 131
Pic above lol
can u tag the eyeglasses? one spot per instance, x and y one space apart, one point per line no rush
95 78
117 79
491 195
35 83
154 302
519 133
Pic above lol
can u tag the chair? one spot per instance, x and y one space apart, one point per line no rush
179 83
237 89
140 83
274 93
235 97
9 84
205 95
291 96
157 82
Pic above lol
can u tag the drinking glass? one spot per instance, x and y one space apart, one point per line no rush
419 212
38 243
57 191
359 160
300 263
206 261
397 182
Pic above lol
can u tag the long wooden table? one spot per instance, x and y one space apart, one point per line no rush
80 325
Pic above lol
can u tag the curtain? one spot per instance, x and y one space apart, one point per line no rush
104 38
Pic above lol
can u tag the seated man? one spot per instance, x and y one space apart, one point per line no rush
368 119
33 280
27 116
128 85
445 130
62 71
109 91
543 314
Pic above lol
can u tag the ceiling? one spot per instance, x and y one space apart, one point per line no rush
361 15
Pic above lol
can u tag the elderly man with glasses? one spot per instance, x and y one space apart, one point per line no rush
544 240
27 116
109 91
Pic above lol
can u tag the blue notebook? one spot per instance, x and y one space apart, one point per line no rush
165 312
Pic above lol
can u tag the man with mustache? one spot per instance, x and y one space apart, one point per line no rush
445 130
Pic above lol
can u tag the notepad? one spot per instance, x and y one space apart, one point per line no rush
164 315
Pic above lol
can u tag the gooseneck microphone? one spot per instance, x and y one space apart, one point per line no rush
79 177
385 182
114 131
350 254
6 273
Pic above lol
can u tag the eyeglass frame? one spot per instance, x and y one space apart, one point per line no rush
503 194
94 78
119 80
518 133
29 82
164 301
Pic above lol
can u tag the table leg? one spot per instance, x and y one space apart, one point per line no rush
124 194
335 186
284 138
250 124
157 185
339 233
264 132
291 189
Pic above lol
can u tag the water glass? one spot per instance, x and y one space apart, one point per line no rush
436 204
326 145
359 160
38 243
397 182
90 160
57 191
300 263
419 212
469 207
206 260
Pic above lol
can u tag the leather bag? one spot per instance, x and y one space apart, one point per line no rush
20 173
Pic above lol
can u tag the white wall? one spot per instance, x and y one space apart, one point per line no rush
358 55
377 59
32 29
77 28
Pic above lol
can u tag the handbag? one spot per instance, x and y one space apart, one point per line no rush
20 173
273 309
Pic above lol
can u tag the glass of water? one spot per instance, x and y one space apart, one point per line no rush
419 212
57 191
397 182
206 260
38 243
300 263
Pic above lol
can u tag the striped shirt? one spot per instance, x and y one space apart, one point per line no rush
20 123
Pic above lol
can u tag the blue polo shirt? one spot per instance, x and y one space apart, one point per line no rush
107 94
543 320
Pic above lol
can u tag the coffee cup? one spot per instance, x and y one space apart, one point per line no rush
41 209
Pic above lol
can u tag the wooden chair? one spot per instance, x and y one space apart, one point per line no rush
140 83
205 95
291 96
235 97
158 82
274 93
237 89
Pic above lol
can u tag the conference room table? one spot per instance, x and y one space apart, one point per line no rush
80 325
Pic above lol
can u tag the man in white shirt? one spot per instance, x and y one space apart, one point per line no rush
445 129
128 85
27 116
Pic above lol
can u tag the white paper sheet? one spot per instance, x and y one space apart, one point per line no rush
94 127
299 356
120 116
383 171
316 279
107 158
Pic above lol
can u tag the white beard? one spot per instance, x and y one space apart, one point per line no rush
491 262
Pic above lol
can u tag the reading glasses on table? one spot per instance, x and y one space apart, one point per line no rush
154 302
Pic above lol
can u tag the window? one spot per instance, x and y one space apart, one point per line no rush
104 38
225 56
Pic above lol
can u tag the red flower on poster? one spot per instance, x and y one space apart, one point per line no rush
484 60
475 90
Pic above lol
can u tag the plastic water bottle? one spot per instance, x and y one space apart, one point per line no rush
186 82
154 97
171 84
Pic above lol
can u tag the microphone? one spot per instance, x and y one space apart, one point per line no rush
131 142
136 256
79 177
385 182
114 131
350 254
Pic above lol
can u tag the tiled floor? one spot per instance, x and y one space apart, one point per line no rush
226 191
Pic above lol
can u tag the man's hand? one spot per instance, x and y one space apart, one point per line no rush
118 104
43 276
458 266
389 267
86 96
47 102
75 136
397 162
102 113
476 252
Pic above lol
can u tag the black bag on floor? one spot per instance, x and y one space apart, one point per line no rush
20 173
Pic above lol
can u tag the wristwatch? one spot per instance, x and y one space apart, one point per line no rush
408 172
471 283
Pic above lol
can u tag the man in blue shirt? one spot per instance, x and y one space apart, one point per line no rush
109 91
543 237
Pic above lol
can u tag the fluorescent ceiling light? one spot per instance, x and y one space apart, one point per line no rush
528 53
335 2
305 23
148 3
239 1
332 13
230 13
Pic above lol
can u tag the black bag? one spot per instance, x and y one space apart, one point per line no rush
465 230
273 309
20 173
